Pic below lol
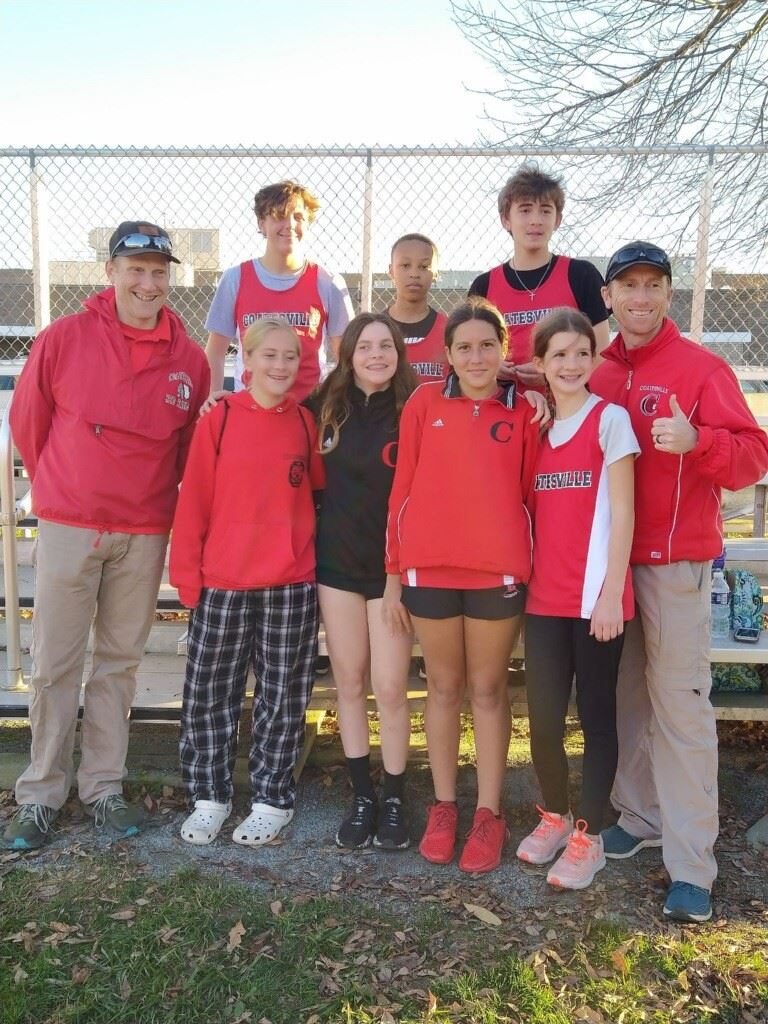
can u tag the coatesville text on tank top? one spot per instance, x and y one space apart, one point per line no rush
560 481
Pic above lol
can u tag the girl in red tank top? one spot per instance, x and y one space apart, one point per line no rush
580 594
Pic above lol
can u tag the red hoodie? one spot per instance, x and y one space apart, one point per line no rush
677 497
462 470
246 517
105 446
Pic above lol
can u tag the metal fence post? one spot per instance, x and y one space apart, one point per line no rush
698 297
366 274
38 202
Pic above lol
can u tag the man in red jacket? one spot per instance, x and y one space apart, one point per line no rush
102 415
696 435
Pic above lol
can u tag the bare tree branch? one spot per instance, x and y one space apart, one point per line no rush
635 73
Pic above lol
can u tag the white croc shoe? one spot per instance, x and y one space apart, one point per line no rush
262 825
204 823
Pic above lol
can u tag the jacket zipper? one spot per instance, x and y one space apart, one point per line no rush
476 410
97 429
629 379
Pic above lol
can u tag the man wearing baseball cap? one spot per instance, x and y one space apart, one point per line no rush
696 435
102 415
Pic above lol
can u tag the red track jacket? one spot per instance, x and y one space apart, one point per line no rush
677 497
463 468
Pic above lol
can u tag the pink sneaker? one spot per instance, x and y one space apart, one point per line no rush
549 836
582 858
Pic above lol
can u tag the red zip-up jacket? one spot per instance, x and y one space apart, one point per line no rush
463 468
105 447
246 516
677 497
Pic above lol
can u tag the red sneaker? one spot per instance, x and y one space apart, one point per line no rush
482 850
439 839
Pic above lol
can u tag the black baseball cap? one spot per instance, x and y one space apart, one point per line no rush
133 237
635 254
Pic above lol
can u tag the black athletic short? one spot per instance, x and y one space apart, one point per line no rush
370 589
445 603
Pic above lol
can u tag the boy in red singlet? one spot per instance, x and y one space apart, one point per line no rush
279 283
535 280
413 269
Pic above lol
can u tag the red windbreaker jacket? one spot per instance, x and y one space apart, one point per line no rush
104 446
463 468
677 497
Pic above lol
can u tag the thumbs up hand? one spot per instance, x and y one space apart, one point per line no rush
674 434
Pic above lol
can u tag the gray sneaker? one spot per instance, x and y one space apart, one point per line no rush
113 813
29 827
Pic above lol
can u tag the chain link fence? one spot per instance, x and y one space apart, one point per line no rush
59 206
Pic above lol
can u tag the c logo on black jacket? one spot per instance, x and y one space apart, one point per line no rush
389 454
501 431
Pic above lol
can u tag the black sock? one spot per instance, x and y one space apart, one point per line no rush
394 785
360 774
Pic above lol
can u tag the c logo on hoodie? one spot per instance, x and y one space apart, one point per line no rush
296 473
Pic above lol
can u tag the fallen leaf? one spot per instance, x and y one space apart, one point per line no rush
236 933
63 929
125 990
276 907
80 974
19 975
166 934
432 1003
168 791
482 914
682 980
590 1015
619 961
123 915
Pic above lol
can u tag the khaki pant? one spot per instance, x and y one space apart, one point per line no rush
82 576
666 782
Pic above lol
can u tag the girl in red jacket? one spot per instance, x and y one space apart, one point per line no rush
243 558
459 557
579 597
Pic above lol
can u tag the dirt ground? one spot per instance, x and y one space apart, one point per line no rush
305 858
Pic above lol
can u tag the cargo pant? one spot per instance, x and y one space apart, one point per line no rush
666 780
84 576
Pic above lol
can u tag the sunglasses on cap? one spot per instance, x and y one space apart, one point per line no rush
138 240
637 254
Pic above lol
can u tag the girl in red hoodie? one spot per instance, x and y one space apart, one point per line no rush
459 557
243 558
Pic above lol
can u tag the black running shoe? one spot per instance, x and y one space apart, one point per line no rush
392 833
357 829
322 665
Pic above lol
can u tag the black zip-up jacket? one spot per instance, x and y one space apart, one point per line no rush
359 471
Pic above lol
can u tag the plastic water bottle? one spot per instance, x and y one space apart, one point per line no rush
721 610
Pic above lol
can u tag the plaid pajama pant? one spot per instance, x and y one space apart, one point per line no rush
275 631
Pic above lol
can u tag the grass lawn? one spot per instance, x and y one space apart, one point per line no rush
101 941
152 930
